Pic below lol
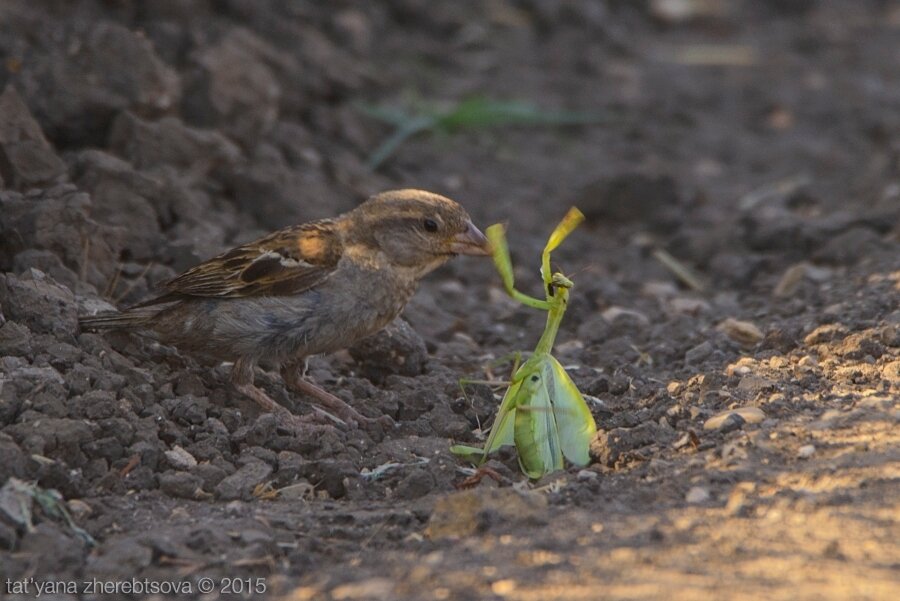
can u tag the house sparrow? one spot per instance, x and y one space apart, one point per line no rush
304 290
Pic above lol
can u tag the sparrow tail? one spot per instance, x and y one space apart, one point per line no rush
128 320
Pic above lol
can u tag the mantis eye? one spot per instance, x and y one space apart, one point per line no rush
430 225
535 378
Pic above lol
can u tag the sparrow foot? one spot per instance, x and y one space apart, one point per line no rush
300 425
373 425
377 427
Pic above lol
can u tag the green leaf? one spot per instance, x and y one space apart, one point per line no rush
475 113
481 113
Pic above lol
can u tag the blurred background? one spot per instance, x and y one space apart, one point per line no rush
196 124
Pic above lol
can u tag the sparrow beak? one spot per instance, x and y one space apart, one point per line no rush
470 242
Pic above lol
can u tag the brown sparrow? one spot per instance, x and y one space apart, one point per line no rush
304 290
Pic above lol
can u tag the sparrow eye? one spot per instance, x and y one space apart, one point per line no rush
430 225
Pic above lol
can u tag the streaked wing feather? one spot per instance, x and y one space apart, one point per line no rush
286 262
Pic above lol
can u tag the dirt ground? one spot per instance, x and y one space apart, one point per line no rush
749 445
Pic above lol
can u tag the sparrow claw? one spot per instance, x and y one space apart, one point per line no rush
385 422
376 427
302 426
320 418
336 408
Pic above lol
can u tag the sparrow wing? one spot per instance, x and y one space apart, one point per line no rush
283 263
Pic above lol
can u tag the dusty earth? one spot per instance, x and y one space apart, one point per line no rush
754 142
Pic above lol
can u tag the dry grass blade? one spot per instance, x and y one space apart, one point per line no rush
684 273
132 283
388 467
474 113
778 189
712 55
265 491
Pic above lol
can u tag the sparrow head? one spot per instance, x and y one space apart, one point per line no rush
417 229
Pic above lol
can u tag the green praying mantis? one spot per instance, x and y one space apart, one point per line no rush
542 412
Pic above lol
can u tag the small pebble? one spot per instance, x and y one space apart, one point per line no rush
688 306
742 367
180 459
697 494
750 415
776 397
586 475
614 313
825 333
79 509
682 442
744 333
790 281
807 361
806 451
699 353
299 491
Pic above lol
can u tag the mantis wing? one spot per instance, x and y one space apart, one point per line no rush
502 429
573 417
536 436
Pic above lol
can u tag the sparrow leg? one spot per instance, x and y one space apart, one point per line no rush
242 378
292 374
